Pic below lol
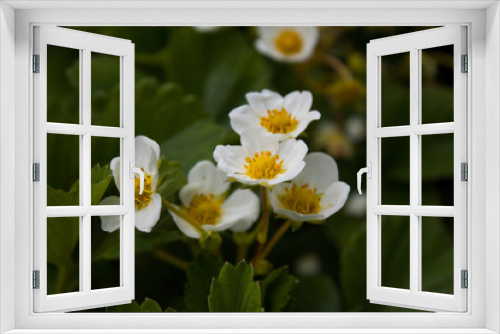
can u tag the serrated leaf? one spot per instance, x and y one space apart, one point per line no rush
200 274
197 142
149 305
234 290
171 178
277 288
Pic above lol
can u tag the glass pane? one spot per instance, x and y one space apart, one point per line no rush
437 170
437 254
395 169
105 77
105 250
63 85
395 251
437 84
63 171
63 251
104 189
395 95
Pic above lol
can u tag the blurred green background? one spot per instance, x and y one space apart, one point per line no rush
186 83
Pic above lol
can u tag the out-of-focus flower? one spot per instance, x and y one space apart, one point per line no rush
206 29
147 204
330 138
308 265
287 44
283 117
204 201
261 158
355 128
348 93
315 194
356 206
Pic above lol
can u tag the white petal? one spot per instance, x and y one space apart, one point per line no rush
240 210
289 174
110 223
298 103
187 193
115 169
292 152
243 118
146 218
210 179
321 172
300 217
277 191
334 198
264 101
304 123
269 33
230 158
147 153
258 139
185 227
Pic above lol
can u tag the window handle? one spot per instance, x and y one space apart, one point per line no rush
135 170
368 171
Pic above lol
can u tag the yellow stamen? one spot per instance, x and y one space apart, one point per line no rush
263 166
301 199
288 42
279 121
205 209
142 200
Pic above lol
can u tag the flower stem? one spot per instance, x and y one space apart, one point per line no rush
337 65
276 237
183 215
264 223
169 258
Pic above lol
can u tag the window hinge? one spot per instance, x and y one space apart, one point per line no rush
464 279
465 64
36 63
464 171
36 172
36 279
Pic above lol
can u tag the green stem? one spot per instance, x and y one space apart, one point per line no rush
276 237
264 225
182 214
337 65
170 258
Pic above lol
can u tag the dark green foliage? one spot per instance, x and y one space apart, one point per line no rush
234 290
200 274
277 288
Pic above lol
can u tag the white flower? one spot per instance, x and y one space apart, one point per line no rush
206 29
287 44
356 206
261 158
315 194
283 117
203 201
148 204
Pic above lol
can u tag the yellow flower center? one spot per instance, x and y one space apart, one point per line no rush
263 166
205 209
288 42
279 121
301 199
142 200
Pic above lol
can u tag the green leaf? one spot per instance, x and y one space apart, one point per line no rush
171 179
148 305
162 111
100 179
277 288
220 68
317 294
195 143
234 290
200 274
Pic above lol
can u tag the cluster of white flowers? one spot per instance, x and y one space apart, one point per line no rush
302 187
284 44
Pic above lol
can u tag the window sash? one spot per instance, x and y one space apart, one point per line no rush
413 43
86 43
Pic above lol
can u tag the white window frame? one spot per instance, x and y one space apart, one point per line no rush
85 43
413 44
16 216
